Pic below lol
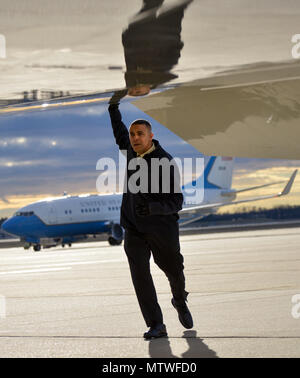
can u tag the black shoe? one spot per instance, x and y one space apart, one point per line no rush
156 331
184 314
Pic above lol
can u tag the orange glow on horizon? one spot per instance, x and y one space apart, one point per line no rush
241 179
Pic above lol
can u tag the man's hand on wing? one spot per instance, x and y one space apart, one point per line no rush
117 96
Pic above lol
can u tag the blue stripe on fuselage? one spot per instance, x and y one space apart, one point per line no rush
33 227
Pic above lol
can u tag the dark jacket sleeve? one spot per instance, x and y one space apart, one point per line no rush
119 129
168 203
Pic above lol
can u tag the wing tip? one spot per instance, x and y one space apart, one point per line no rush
289 184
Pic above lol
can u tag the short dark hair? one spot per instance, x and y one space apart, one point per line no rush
142 122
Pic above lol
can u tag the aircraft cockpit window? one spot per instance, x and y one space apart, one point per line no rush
24 213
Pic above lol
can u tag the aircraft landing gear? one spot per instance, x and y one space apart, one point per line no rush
113 241
116 234
37 247
69 244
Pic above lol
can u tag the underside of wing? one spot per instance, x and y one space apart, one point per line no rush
253 111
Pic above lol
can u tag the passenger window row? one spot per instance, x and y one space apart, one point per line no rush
90 210
98 209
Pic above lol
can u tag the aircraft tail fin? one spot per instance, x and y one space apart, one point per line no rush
218 172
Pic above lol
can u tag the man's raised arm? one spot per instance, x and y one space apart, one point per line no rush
119 129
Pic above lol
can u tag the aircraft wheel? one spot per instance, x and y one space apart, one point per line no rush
37 247
113 241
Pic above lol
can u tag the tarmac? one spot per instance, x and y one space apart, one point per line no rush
80 302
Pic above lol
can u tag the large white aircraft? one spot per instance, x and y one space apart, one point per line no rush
67 219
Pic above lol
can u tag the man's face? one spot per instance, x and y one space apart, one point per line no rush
140 138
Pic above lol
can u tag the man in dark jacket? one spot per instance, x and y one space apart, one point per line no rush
150 219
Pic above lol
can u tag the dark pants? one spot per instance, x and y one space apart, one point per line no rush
165 249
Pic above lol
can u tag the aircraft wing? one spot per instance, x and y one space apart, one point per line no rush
251 111
231 93
229 193
197 209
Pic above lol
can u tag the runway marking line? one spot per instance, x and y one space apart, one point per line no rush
139 337
64 266
33 270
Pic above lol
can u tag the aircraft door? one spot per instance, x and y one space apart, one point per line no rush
52 216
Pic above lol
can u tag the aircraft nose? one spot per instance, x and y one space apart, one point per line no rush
9 226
